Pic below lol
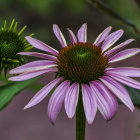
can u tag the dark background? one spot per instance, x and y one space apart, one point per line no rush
39 15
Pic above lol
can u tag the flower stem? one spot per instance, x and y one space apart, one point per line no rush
80 119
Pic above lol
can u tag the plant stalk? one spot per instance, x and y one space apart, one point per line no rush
80 119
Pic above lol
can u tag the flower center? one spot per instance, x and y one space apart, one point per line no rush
81 62
10 45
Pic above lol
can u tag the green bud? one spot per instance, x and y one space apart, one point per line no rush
11 43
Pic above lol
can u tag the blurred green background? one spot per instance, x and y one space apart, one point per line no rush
39 15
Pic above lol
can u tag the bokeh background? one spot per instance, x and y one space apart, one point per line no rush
39 15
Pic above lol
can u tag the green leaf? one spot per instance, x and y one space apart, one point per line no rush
36 86
8 91
135 95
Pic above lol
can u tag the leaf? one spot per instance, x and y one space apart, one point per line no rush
135 95
8 91
35 86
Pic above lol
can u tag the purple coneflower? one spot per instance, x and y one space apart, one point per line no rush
82 66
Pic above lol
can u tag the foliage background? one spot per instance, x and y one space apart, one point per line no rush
39 15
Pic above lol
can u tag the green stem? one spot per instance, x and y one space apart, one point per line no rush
80 119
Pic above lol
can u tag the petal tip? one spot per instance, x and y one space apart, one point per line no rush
132 108
132 39
109 118
121 31
28 37
109 27
26 107
10 79
70 116
90 122
55 25
20 53
84 24
52 121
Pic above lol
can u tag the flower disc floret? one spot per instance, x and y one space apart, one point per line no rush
81 62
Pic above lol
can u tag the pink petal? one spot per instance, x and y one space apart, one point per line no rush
56 100
118 90
41 55
107 103
82 33
31 66
71 99
41 46
118 47
42 93
111 39
124 55
102 36
89 103
126 71
124 80
32 74
108 96
72 36
59 35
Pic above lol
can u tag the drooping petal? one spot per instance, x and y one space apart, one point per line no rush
72 36
126 71
32 74
118 47
56 100
82 33
71 99
125 80
41 55
89 103
102 36
111 39
124 55
41 46
118 90
40 95
106 101
108 96
32 66
59 35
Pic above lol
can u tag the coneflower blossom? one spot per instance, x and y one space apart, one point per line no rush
82 66
11 43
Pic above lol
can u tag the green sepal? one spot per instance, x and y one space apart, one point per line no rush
27 49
